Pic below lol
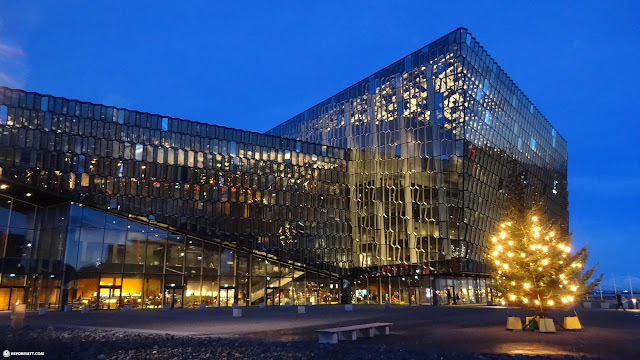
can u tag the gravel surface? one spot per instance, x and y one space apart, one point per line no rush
60 343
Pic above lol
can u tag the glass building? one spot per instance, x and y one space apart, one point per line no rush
435 136
106 207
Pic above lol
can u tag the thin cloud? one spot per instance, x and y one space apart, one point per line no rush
6 79
10 51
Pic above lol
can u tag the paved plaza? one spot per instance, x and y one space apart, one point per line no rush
607 333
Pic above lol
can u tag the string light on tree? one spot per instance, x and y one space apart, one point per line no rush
545 275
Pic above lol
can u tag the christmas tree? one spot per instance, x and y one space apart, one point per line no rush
531 259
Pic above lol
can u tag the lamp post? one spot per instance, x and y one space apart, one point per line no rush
633 300
601 292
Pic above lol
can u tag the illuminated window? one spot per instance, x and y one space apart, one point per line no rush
84 179
138 152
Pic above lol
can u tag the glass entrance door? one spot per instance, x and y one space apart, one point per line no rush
9 296
173 297
273 296
452 290
227 296
414 295
109 297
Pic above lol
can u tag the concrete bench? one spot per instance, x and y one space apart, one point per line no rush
331 336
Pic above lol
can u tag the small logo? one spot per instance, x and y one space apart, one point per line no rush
6 353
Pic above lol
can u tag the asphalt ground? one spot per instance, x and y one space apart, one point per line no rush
606 333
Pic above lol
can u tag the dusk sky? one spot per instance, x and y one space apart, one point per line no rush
252 65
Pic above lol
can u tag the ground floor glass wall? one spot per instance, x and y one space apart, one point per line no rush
420 290
111 262
158 267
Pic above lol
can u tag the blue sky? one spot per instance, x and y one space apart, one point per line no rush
253 65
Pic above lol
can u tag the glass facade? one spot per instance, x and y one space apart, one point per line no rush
112 261
171 208
435 136
384 192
